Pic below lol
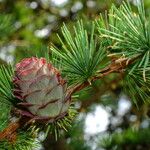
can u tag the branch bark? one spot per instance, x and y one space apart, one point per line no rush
117 65
9 133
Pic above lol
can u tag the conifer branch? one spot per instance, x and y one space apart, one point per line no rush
117 66
82 61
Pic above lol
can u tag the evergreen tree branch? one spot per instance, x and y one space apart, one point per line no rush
81 61
127 33
80 54
117 66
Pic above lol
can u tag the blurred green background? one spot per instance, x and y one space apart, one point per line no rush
107 119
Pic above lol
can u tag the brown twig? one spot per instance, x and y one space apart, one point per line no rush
9 133
117 65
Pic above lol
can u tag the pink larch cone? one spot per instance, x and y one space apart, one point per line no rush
41 90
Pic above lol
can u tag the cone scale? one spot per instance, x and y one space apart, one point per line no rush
41 90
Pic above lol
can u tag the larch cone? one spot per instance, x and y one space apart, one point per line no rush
41 90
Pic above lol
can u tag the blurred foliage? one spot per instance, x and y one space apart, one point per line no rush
128 139
32 26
